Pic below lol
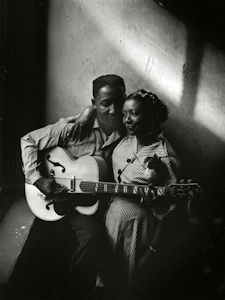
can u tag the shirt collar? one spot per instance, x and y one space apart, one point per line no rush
115 135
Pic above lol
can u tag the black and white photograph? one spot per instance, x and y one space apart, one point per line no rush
112 150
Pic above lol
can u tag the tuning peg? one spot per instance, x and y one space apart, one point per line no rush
182 181
189 181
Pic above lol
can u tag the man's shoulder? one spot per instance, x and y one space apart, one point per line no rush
70 119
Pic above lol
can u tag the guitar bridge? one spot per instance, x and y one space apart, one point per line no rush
73 184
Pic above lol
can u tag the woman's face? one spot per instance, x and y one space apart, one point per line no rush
135 118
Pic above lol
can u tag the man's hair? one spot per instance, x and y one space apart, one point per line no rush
111 80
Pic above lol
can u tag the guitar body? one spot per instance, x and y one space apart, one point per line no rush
67 171
38 205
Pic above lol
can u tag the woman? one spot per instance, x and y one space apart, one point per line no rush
145 157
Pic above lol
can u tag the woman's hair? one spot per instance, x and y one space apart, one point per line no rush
152 105
109 79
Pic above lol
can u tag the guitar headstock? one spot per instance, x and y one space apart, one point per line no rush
184 189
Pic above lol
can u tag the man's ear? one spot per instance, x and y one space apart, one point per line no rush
93 102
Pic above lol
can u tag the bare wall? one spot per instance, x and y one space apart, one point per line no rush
150 48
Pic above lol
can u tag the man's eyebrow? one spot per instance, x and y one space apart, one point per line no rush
104 99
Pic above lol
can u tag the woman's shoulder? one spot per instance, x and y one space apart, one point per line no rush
167 146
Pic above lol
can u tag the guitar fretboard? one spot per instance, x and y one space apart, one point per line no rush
113 188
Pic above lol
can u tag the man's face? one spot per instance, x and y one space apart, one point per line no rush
108 103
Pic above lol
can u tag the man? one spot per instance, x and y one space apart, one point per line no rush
97 136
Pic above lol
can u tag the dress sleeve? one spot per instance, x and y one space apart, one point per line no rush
170 172
171 164
41 139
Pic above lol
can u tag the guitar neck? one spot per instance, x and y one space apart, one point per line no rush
181 190
114 188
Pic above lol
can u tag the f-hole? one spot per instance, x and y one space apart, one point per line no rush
55 164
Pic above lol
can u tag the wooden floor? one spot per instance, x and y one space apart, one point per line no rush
14 230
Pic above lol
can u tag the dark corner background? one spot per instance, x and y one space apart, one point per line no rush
22 85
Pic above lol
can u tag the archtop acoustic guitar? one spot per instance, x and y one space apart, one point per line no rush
88 175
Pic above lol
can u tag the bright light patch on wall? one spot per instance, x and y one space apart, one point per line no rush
210 117
209 108
156 53
139 47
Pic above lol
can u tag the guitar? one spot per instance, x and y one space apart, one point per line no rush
85 175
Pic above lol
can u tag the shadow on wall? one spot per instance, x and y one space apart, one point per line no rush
206 16
201 151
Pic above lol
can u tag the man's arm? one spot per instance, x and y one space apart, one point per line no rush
38 140
48 137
